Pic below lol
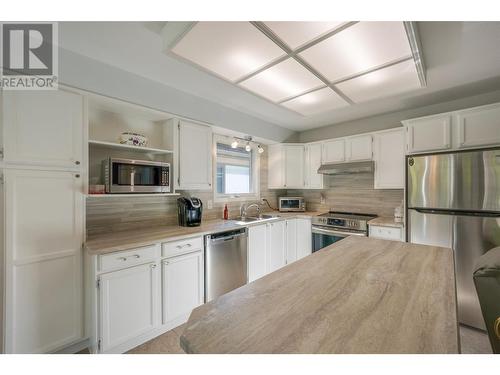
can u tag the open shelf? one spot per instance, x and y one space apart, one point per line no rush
130 147
132 195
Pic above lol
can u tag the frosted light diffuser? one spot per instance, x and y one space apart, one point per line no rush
358 48
282 81
315 102
296 34
392 80
229 49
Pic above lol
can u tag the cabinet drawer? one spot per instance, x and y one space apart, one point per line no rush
132 257
386 233
188 245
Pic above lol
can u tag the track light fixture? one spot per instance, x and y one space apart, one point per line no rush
235 143
247 140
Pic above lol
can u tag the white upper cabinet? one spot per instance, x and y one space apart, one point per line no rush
43 129
294 166
431 133
389 156
359 148
478 126
334 151
276 166
313 180
468 128
195 156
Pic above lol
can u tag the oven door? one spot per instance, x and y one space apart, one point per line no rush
325 236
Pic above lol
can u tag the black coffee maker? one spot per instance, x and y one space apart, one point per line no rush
189 211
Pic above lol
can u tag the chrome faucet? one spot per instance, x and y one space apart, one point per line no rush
244 208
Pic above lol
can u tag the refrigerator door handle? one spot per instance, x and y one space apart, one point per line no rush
434 211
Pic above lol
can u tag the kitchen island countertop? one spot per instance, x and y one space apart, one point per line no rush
359 295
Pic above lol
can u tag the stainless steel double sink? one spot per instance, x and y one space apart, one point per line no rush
252 219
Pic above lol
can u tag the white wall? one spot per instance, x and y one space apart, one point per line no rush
392 120
87 74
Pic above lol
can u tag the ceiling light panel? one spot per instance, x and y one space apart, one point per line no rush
389 81
229 49
282 81
316 102
358 48
296 34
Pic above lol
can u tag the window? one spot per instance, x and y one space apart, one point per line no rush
235 170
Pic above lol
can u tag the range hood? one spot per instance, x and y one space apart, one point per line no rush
346 168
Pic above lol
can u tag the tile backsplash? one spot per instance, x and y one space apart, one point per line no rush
352 193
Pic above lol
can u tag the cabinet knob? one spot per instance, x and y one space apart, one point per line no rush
153 266
77 175
77 162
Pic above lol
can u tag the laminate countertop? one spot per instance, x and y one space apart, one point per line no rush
359 295
384 221
125 240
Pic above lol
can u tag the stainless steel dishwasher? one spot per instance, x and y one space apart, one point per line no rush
225 262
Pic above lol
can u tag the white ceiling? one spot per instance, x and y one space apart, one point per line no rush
462 58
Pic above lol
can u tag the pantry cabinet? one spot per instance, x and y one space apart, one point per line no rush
182 285
194 158
128 304
389 157
43 130
313 157
44 213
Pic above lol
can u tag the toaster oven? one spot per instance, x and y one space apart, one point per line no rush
292 204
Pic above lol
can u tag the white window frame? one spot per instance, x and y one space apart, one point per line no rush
225 198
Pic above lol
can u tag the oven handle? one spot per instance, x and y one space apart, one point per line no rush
334 232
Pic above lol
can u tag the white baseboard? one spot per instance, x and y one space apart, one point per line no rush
74 348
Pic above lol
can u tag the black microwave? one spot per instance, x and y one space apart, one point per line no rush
136 176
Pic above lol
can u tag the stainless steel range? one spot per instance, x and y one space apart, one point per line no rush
334 226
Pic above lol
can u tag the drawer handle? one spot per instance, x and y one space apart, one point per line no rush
123 259
136 256
182 246
153 266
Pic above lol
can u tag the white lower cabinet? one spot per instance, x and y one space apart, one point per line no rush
257 252
276 246
182 286
303 238
273 245
142 299
128 304
386 233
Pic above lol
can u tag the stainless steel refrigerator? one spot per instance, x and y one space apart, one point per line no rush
453 200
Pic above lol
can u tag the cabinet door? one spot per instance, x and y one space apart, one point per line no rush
291 240
304 238
334 151
43 129
276 245
128 304
389 156
294 167
429 134
195 156
257 252
182 285
359 148
314 180
275 167
479 127
43 261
